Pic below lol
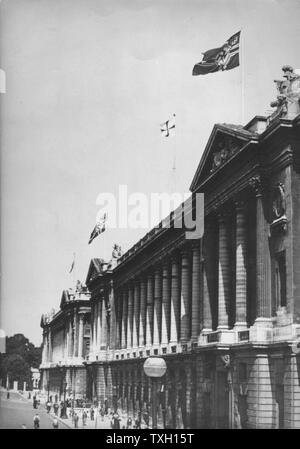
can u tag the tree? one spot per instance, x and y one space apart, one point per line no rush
20 356
17 369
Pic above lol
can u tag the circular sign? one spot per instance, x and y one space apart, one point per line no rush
295 347
155 367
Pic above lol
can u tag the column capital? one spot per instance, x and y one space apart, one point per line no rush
165 263
195 245
150 274
223 214
185 251
240 205
256 183
174 257
136 281
158 267
130 284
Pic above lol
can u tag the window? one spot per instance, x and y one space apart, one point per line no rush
242 372
280 279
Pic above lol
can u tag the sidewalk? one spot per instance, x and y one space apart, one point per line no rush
90 424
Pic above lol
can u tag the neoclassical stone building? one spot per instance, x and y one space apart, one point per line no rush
66 344
222 310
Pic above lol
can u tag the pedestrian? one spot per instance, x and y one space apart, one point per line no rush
116 420
137 423
48 406
84 417
129 423
76 419
34 402
36 421
56 407
8 394
55 423
92 413
102 413
106 406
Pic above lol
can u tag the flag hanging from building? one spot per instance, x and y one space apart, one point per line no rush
225 57
167 126
73 263
98 229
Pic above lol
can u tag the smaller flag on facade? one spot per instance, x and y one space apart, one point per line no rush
98 229
73 263
222 58
167 126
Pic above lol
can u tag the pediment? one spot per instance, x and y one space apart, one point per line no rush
95 268
223 144
64 298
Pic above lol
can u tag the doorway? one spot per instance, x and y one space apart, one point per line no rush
222 401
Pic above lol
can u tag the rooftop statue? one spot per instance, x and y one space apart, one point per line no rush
288 98
117 251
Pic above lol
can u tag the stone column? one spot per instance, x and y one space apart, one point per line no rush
103 341
75 327
195 290
166 297
136 313
143 309
263 262
47 347
98 319
118 328
185 316
205 274
130 317
67 338
70 337
44 348
65 341
124 318
149 312
113 337
94 323
80 335
224 272
157 306
241 267
50 345
175 301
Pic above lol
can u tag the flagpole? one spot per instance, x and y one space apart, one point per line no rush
174 167
242 63
73 271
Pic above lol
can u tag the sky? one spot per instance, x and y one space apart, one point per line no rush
88 83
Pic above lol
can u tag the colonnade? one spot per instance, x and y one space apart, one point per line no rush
171 302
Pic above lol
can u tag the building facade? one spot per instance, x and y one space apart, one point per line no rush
222 310
66 341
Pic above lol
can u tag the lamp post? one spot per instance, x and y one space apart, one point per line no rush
64 411
48 389
114 398
154 367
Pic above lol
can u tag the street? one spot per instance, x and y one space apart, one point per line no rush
16 411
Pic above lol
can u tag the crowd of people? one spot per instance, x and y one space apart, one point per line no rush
82 414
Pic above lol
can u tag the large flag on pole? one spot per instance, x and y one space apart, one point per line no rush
225 57
98 229
73 263
167 126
